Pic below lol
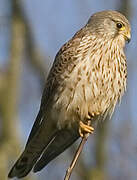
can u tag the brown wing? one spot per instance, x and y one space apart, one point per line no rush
65 62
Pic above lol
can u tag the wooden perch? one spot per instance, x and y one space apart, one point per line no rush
76 156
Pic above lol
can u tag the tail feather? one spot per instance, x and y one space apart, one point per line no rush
59 144
33 151
23 166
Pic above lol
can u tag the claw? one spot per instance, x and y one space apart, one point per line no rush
84 128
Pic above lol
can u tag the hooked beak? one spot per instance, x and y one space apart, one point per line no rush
127 36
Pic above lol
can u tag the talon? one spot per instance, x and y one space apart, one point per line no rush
84 128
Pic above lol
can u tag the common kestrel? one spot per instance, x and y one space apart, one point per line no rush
87 79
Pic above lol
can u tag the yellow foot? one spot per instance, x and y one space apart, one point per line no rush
84 128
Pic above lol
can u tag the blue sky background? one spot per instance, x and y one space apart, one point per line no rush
52 24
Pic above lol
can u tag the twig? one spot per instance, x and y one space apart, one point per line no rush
77 154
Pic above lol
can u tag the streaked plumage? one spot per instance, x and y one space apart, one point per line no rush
86 80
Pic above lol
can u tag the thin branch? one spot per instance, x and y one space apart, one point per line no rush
9 141
76 156
34 56
125 8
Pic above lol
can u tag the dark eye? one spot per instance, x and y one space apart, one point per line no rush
119 25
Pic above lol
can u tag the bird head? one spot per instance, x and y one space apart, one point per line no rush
110 24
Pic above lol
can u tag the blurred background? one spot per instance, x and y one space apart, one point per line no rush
31 33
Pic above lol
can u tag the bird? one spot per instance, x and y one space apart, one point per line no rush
86 81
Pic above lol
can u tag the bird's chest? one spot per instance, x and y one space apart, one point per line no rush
92 87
